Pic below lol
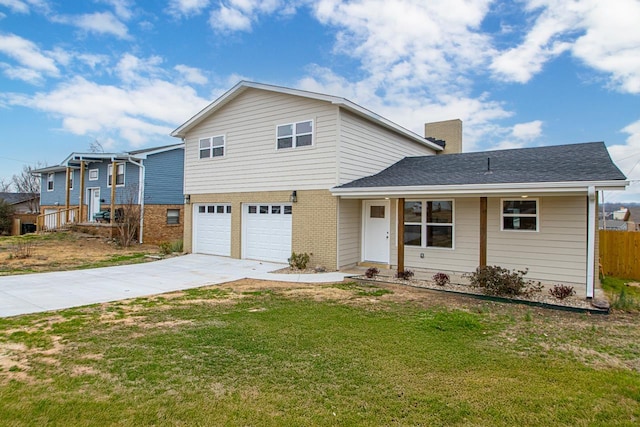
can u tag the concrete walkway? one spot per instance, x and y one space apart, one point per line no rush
34 293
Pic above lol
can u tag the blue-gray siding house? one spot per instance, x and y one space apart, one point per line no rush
151 179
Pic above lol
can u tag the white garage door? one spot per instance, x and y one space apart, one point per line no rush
212 229
266 232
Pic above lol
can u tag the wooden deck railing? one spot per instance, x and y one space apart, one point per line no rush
57 220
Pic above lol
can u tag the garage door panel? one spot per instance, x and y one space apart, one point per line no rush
267 232
212 229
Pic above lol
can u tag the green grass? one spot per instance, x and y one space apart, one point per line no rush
215 356
622 296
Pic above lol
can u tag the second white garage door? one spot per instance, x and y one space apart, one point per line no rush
212 229
266 231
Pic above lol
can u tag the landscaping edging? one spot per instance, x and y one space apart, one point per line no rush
530 303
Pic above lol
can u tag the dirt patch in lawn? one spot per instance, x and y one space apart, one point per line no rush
64 251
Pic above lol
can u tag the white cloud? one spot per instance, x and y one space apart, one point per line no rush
99 23
627 158
132 69
239 15
20 73
31 59
121 7
527 131
191 75
139 115
187 8
604 35
16 6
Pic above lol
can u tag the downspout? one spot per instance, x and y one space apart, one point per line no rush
591 242
141 177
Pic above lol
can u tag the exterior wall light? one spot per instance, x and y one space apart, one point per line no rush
187 199
294 196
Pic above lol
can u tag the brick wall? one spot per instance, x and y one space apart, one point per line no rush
156 229
314 221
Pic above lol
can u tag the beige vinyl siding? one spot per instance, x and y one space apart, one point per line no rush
349 232
464 256
366 148
557 252
251 161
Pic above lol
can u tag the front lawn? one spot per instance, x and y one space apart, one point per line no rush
260 353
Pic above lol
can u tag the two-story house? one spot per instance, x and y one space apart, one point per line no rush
272 170
80 189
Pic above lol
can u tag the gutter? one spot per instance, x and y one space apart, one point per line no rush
471 189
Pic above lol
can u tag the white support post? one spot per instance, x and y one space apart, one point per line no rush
591 240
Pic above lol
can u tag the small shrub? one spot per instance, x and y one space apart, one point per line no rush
404 275
499 281
371 272
165 248
562 291
23 249
625 302
299 261
441 279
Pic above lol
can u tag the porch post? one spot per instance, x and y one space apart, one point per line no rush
591 239
67 195
483 231
114 171
81 201
401 235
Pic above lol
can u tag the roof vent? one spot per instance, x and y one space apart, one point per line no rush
489 171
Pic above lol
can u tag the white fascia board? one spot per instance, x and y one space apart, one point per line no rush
181 131
538 187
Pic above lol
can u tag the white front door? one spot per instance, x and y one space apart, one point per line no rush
94 202
376 231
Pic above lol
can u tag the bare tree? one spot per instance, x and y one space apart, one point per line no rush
96 147
5 185
127 216
28 183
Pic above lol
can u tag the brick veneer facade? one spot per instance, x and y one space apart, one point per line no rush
314 221
156 229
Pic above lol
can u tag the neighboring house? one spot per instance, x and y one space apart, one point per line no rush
150 178
23 203
272 170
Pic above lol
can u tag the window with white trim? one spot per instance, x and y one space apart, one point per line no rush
119 174
428 223
519 215
291 135
93 174
212 147
71 180
50 178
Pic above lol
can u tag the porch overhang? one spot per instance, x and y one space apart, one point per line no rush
470 190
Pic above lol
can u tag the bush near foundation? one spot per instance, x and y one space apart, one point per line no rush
499 281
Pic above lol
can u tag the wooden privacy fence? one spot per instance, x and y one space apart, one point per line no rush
620 253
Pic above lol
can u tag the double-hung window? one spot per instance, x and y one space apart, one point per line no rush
520 214
50 178
212 147
93 174
173 216
428 223
119 174
71 180
293 135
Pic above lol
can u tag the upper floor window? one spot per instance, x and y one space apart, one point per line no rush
50 178
520 214
428 223
212 147
119 174
298 134
93 174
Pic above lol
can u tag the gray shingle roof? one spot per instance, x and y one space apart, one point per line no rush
558 163
15 198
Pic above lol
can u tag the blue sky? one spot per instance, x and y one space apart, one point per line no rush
125 73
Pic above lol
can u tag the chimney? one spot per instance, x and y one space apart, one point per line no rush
450 131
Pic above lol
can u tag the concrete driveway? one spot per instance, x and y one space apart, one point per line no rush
34 293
